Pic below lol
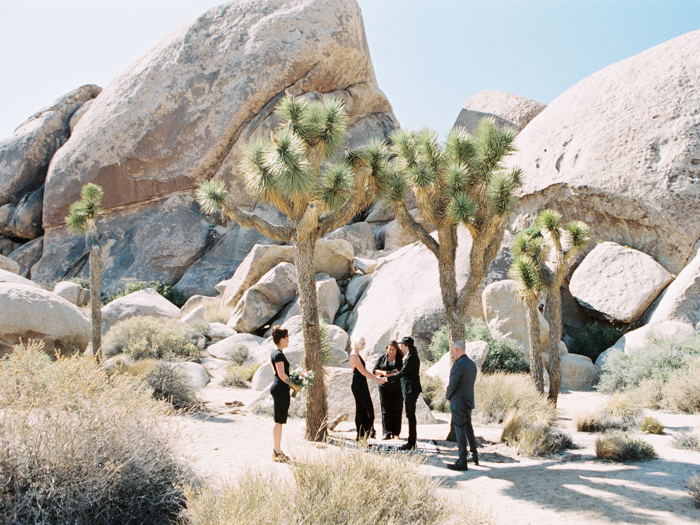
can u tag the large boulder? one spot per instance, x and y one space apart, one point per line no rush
11 277
356 287
264 299
681 300
199 300
578 372
252 344
505 109
334 257
328 296
506 316
475 350
8 265
619 151
404 296
29 312
196 374
392 236
183 112
146 302
73 293
359 234
27 255
618 283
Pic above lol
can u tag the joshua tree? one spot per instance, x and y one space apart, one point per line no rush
529 254
286 171
461 183
565 242
82 220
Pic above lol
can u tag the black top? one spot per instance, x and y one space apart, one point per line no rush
357 376
277 356
383 364
409 374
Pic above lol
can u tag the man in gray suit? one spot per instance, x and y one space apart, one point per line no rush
460 393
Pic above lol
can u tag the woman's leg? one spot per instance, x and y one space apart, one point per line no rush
277 437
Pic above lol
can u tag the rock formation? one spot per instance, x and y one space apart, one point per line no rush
508 111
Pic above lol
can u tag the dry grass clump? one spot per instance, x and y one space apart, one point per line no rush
682 391
620 411
693 484
500 393
348 487
239 376
216 313
155 337
688 440
434 393
534 435
651 425
620 447
77 447
238 356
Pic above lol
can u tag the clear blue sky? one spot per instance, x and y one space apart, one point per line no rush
429 56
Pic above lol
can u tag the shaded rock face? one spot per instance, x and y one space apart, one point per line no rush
681 300
620 151
507 111
27 255
24 160
618 283
183 112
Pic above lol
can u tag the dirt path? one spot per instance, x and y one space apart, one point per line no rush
572 489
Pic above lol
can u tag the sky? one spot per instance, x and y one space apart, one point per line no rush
430 56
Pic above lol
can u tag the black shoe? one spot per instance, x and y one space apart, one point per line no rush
457 466
408 446
474 458
386 437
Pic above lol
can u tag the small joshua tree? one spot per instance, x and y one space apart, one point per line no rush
287 171
82 220
563 242
460 184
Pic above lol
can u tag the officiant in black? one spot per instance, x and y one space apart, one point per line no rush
390 392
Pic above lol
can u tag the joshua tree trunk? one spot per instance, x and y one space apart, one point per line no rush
316 409
533 326
553 315
95 291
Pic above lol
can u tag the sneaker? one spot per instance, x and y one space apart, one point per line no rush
457 466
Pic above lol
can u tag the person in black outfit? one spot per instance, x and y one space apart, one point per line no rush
280 389
410 387
364 409
390 393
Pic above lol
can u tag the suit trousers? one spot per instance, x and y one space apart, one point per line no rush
462 423
410 402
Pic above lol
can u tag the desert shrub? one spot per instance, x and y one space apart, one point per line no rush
687 441
497 395
649 393
80 282
78 447
620 411
349 487
620 447
658 360
594 339
239 376
434 393
693 484
238 356
170 383
505 355
682 390
166 289
154 337
651 425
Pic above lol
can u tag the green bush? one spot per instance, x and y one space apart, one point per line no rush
238 356
505 355
658 360
170 383
594 340
96 450
682 390
80 282
166 289
239 376
651 425
150 337
341 487
620 447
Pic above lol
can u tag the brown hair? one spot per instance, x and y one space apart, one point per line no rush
278 334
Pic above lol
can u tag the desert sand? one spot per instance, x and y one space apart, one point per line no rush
571 488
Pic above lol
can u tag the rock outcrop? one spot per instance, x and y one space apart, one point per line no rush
143 302
681 300
578 372
619 151
506 110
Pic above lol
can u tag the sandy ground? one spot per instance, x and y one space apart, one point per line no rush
573 488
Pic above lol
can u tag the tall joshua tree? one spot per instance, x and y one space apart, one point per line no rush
529 255
82 220
565 241
287 170
460 184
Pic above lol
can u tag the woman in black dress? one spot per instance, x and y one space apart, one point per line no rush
390 393
280 389
364 410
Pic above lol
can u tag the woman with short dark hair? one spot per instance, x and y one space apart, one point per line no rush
390 393
280 389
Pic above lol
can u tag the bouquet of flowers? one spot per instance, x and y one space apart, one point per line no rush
302 378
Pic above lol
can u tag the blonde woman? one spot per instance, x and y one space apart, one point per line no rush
364 410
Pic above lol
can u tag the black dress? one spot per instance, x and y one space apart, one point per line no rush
280 389
364 410
390 396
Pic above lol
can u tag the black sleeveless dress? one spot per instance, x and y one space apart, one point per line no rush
364 410
280 389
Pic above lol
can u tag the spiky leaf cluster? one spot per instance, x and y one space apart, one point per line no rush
83 213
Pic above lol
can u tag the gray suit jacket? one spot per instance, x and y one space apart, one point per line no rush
460 391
